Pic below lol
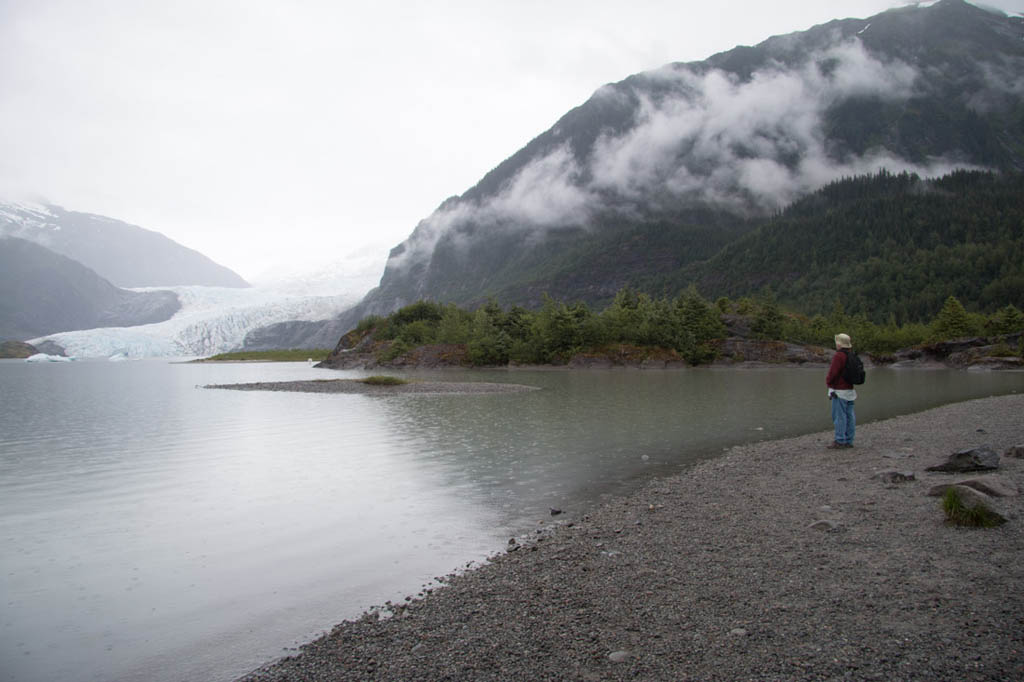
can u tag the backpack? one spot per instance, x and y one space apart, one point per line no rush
853 371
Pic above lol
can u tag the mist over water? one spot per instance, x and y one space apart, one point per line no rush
155 530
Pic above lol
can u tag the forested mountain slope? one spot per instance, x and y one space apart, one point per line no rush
660 170
881 245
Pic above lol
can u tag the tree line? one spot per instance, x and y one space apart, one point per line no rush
687 324
892 244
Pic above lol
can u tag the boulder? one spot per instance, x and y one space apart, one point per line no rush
1015 451
971 498
893 476
979 360
964 353
983 458
993 486
772 352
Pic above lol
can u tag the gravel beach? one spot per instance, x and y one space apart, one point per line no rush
360 387
779 560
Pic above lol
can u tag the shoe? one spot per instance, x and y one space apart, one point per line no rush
835 445
847 445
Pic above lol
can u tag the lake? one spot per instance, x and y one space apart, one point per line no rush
156 530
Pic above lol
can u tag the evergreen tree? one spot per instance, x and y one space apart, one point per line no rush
768 318
1007 321
952 321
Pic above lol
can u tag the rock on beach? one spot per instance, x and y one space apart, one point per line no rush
731 580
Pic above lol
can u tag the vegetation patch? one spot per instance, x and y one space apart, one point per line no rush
17 349
637 328
908 244
289 355
959 514
383 380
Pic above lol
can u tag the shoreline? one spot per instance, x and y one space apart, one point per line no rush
358 386
717 573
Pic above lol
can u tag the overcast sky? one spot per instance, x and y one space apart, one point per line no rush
271 134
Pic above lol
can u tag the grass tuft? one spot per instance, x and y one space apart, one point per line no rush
958 514
383 380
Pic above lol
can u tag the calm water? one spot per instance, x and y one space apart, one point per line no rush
154 530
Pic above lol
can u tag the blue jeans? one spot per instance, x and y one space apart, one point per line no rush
844 419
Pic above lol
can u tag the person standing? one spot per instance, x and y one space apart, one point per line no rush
842 395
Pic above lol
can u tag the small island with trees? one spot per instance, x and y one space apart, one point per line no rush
637 330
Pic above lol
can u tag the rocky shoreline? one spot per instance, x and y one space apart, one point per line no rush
363 351
778 560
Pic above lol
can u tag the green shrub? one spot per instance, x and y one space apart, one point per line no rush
958 514
393 350
1002 350
953 321
369 322
1006 321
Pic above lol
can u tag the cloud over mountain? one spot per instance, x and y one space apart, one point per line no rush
665 167
749 145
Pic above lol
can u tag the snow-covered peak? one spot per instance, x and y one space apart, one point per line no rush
26 219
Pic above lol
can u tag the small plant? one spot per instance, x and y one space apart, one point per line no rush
368 323
958 514
1002 350
383 380
393 350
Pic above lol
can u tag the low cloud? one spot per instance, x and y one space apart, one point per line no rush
751 145
544 194
740 143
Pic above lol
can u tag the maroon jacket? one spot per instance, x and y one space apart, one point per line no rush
834 378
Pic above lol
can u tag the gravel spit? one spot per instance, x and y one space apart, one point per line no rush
778 560
357 386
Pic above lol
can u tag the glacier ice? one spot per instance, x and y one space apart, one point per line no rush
211 320
45 357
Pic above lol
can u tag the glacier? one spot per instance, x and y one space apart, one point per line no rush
211 320
44 357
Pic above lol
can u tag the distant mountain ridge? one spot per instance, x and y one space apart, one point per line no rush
124 254
663 169
42 292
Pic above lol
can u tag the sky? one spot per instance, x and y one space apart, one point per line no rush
283 136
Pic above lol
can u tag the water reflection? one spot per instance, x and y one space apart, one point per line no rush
588 433
158 531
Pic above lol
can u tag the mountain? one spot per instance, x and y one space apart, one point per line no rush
661 171
882 245
42 292
298 334
124 254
